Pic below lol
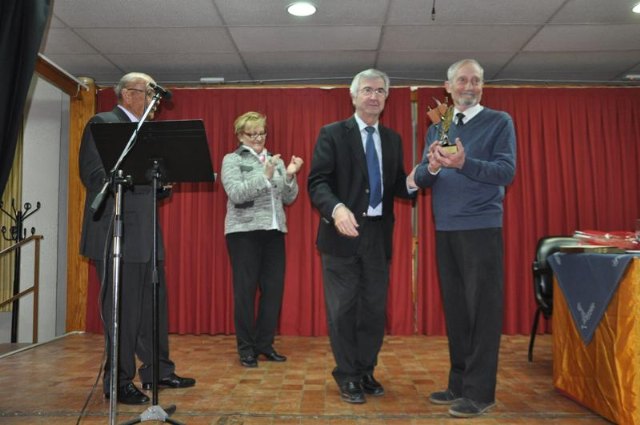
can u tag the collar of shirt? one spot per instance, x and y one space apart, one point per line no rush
469 113
264 154
362 125
132 117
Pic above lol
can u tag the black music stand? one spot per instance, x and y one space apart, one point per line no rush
181 145
165 151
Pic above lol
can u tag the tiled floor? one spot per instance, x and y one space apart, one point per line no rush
49 384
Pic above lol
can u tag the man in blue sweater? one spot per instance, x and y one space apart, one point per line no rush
468 187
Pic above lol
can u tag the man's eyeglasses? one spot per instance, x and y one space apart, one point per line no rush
254 136
148 92
368 91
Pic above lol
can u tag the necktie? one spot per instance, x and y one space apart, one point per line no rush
460 116
373 166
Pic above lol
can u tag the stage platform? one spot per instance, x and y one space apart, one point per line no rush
49 383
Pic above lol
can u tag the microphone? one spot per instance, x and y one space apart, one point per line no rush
166 94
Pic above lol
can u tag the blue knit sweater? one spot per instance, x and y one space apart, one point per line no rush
471 198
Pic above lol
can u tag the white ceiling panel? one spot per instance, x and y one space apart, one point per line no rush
344 75
257 39
441 38
432 66
566 76
330 12
308 63
205 64
536 64
634 70
473 11
65 41
85 65
554 38
194 77
136 13
158 40
54 22
189 67
597 12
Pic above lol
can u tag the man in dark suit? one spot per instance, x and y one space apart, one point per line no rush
356 171
135 326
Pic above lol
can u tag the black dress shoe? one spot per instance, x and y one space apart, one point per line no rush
371 386
171 381
275 357
130 394
249 360
351 392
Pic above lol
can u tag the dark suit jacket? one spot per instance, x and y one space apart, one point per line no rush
339 174
137 205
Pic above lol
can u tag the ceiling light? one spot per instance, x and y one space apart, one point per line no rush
636 8
212 80
301 8
632 77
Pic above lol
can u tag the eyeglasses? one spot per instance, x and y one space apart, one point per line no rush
254 136
475 81
148 92
368 91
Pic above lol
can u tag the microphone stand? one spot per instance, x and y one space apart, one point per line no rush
117 180
155 412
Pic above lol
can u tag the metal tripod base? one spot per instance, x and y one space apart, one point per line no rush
155 413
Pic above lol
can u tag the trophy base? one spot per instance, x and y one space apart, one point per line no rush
450 149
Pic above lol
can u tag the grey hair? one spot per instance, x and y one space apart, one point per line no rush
368 73
453 69
127 79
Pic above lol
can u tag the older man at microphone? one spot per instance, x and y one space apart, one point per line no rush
134 92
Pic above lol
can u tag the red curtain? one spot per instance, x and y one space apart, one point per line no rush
197 265
577 168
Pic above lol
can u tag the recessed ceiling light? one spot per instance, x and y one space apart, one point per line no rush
636 8
301 8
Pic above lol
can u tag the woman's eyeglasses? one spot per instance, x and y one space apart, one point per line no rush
254 136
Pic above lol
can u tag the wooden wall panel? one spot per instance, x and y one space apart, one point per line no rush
82 108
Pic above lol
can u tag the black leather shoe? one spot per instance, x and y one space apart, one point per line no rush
274 356
130 394
249 360
172 381
351 392
371 386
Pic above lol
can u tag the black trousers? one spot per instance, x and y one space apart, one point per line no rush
470 265
257 262
355 291
135 322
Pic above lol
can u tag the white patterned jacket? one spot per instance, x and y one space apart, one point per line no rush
249 205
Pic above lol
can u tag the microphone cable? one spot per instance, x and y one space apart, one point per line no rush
101 297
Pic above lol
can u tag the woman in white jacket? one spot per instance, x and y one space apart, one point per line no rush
258 185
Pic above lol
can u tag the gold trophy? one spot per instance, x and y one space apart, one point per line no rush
442 117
